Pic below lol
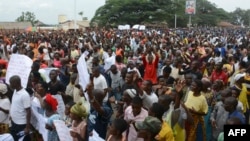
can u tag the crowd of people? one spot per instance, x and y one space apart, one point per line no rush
151 85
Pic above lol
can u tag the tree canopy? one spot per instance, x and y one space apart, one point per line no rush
27 17
116 12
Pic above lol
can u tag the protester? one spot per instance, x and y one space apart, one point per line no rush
149 128
50 104
100 115
4 109
78 114
116 130
145 66
20 111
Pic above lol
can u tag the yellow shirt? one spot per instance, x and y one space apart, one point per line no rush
199 103
243 98
166 133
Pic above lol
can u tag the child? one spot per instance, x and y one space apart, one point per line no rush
230 121
236 93
116 130
78 114
66 117
50 104
219 115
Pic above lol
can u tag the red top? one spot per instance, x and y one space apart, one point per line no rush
150 69
3 63
219 76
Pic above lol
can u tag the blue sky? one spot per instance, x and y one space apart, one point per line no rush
47 11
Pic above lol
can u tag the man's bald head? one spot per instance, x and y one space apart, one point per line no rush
99 95
15 82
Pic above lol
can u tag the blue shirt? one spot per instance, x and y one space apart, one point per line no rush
239 115
98 122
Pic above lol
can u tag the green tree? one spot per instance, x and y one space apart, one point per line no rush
240 17
27 17
116 12
81 14
131 12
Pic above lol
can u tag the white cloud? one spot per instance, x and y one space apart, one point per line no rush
45 5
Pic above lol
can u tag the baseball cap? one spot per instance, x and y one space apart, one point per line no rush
151 124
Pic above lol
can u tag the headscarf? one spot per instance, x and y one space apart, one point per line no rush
131 92
51 101
3 88
79 110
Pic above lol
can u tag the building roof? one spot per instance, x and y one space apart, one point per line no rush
225 24
15 25
80 23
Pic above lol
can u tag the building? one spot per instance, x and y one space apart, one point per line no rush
70 25
18 26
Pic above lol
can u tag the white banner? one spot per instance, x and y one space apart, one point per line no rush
19 65
38 120
83 72
62 130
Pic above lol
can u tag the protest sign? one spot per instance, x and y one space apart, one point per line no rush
95 137
109 62
19 65
38 120
83 72
45 73
136 26
127 27
62 130
142 27
120 27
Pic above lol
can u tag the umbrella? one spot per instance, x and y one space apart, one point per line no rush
30 29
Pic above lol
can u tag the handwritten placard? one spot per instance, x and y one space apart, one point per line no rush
62 130
19 65
38 120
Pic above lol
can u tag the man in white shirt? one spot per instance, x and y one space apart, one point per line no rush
20 112
147 95
100 82
116 79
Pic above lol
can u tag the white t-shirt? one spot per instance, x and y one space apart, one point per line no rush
4 104
101 83
148 99
6 137
20 102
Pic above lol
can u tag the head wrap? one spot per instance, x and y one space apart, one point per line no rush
131 92
3 88
51 101
79 110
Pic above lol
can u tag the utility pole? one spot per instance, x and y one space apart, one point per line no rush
175 15
190 21
75 15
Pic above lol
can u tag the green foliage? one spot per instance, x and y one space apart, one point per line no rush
27 17
116 12
240 16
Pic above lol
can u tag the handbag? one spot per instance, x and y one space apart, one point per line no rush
4 127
